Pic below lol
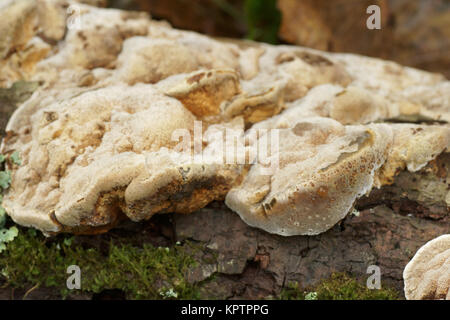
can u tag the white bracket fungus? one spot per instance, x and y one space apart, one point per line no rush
427 275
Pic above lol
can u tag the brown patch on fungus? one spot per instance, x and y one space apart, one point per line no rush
203 92
314 59
255 108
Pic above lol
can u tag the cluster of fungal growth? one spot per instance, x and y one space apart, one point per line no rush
97 137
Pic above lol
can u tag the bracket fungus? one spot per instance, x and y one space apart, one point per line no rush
427 275
100 138
323 168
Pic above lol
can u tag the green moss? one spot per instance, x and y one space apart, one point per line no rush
292 292
6 234
263 20
339 286
143 272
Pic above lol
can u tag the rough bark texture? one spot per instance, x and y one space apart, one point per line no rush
394 222
254 264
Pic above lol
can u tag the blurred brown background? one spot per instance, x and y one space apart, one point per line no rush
414 32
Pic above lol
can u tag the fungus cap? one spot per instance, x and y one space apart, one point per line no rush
323 168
